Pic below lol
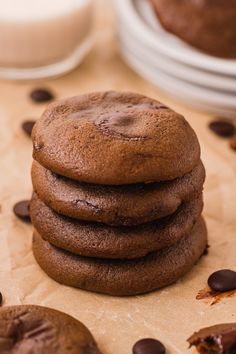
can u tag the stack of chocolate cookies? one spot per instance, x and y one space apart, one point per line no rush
117 200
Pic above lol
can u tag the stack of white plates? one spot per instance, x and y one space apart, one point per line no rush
199 80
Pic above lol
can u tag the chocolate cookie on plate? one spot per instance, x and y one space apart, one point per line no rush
208 25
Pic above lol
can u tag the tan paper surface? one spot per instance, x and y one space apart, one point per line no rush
171 314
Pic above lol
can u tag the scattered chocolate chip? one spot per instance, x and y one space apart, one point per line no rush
206 251
222 280
27 126
222 128
232 142
1 299
21 210
148 346
218 339
41 95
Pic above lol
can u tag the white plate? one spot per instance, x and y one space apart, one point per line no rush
139 15
176 69
185 92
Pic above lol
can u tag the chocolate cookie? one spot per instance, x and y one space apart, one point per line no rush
116 205
212 27
114 138
120 277
27 329
99 240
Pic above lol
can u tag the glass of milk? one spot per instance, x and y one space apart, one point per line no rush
43 38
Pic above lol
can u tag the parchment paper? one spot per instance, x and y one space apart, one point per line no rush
171 314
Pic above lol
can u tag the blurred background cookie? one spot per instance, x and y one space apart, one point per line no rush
42 330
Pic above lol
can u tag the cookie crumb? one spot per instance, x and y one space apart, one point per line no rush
220 338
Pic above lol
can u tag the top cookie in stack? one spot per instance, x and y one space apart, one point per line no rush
117 176
115 138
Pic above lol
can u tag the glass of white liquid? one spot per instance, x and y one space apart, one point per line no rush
43 38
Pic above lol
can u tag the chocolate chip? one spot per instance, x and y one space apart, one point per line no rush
41 95
206 250
21 210
27 126
222 280
148 346
1 299
222 128
232 143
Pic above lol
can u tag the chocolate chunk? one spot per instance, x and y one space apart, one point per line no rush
27 126
41 95
219 339
148 346
222 280
232 143
222 128
21 210
1 299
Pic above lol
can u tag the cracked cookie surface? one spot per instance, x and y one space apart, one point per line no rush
114 138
